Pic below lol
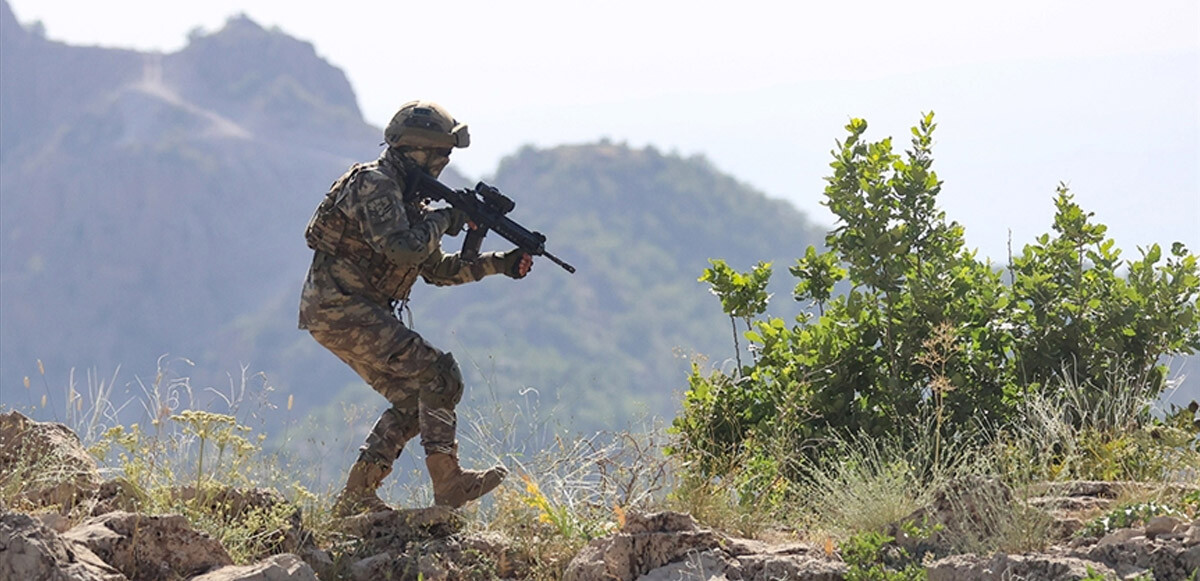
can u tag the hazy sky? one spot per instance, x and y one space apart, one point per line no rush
1104 95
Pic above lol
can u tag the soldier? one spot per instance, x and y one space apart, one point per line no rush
371 240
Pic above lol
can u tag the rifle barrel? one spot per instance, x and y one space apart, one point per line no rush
567 267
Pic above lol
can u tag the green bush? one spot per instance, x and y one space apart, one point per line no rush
924 331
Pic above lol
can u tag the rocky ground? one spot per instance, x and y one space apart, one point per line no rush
115 543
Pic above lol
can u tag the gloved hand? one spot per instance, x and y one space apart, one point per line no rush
515 263
455 219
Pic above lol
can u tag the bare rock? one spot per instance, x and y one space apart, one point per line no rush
150 548
1169 559
1161 526
807 565
47 460
29 551
671 546
423 544
706 566
485 556
394 530
417 567
373 567
1121 536
647 542
1191 537
320 560
491 549
1001 567
285 567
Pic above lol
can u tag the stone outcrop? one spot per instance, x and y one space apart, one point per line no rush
285 567
671 546
47 462
150 548
30 551
1167 547
393 530
643 544
424 544
1002 567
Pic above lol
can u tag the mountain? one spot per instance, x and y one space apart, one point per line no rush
154 204
150 199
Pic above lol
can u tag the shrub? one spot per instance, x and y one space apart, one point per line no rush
925 332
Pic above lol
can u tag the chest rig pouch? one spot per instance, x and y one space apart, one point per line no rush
331 231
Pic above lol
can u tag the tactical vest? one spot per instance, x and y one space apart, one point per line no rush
332 232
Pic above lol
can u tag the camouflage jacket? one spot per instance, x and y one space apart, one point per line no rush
370 247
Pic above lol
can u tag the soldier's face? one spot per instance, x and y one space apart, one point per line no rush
434 160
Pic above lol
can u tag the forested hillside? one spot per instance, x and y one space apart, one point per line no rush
154 204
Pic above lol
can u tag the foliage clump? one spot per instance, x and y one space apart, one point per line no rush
905 327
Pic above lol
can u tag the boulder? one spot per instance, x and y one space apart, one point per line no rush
423 544
393 530
792 561
29 551
150 548
1001 567
671 546
1170 559
374 567
1162 526
285 567
645 543
481 556
1191 536
320 560
47 460
416 567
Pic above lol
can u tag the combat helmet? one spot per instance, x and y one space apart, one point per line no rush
424 124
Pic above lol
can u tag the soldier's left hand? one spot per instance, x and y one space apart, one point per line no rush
517 263
524 265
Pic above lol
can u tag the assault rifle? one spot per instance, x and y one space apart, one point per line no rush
487 208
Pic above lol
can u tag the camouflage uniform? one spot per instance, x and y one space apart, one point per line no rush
370 247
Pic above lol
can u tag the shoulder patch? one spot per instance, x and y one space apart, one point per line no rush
381 209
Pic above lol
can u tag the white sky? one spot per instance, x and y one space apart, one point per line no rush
763 88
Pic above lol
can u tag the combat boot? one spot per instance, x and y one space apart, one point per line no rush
359 494
453 486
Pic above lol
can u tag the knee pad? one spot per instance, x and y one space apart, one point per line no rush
444 385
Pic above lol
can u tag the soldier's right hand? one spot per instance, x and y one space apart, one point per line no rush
455 220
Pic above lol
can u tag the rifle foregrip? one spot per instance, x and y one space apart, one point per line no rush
473 242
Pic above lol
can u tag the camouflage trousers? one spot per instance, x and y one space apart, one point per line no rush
422 383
